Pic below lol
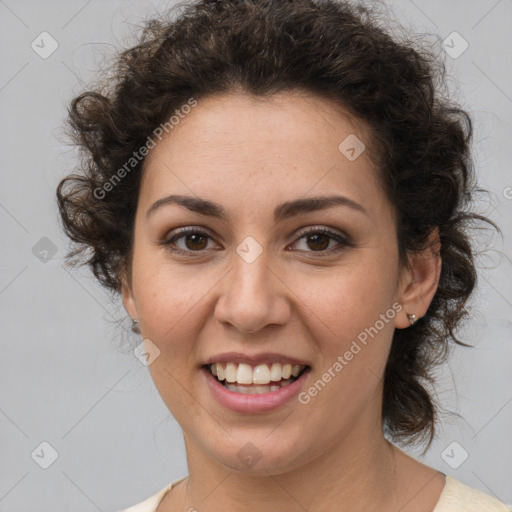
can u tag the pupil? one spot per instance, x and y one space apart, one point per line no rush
315 238
194 238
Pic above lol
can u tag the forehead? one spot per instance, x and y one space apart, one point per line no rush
237 144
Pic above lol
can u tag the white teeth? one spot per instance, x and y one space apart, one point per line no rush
249 390
275 372
254 390
231 372
244 374
260 375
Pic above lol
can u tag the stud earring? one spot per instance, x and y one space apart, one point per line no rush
135 326
412 318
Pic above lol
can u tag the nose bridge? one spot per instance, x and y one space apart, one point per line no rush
251 297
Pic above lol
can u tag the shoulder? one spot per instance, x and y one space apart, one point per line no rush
458 497
150 504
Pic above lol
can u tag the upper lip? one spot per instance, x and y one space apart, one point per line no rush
254 359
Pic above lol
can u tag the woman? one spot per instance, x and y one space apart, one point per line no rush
281 196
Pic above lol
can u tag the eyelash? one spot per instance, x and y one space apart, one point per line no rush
343 241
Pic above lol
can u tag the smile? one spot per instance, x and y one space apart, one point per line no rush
263 378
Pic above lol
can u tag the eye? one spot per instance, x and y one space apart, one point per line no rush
319 239
195 240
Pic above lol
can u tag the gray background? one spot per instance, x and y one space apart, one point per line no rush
68 376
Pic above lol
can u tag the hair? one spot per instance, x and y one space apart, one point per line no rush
263 47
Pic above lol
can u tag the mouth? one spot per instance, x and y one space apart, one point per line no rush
259 379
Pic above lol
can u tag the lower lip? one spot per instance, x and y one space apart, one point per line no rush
256 403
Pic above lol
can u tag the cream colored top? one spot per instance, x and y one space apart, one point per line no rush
456 497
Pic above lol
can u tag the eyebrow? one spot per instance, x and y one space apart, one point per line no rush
281 212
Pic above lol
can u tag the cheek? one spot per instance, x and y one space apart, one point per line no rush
172 308
166 291
342 303
351 319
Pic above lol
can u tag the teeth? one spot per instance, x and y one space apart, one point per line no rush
253 390
261 375
231 372
275 372
244 374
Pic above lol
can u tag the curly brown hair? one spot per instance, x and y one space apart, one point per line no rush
421 140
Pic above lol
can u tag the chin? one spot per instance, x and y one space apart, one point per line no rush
258 455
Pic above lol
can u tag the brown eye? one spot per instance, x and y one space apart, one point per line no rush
187 241
318 241
195 241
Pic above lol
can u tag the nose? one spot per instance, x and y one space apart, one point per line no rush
252 296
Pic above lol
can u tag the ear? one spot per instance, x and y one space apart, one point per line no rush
128 299
418 284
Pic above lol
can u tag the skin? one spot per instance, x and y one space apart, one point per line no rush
249 155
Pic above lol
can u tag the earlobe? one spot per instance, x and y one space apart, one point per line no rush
422 281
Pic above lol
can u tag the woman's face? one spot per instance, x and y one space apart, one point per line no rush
256 287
